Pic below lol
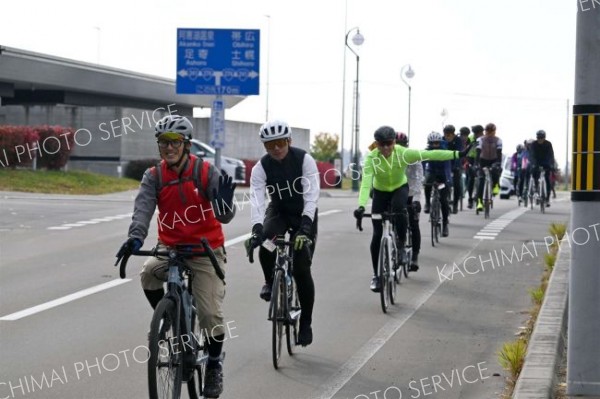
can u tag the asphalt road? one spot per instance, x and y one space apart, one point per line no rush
440 341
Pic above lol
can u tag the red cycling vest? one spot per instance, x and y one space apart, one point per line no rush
184 214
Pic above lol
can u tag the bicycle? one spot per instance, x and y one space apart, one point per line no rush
542 189
178 349
284 307
532 193
488 201
435 213
388 272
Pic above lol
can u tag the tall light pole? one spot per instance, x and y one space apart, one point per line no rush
268 65
357 40
408 73
343 99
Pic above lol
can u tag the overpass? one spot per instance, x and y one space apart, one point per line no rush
29 78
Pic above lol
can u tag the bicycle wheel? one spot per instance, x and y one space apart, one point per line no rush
278 302
486 201
394 274
542 196
198 341
164 364
293 325
433 216
407 254
383 274
438 218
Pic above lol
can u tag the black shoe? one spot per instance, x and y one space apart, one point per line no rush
265 292
305 335
455 209
426 209
414 263
375 284
445 230
547 205
213 382
470 203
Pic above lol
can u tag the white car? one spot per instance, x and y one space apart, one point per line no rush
231 166
506 179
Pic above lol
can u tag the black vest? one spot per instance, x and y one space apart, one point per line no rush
284 182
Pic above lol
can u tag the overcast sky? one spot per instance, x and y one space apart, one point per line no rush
510 62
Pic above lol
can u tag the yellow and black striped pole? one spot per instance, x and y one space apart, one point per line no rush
583 347
585 178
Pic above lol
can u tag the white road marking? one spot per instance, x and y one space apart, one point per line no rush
67 226
380 338
499 224
63 300
110 284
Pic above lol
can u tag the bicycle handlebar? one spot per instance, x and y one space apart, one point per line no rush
184 251
383 215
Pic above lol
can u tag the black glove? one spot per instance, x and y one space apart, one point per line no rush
255 240
130 246
464 152
224 194
359 212
416 206
303 234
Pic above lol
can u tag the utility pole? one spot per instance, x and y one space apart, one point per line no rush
583 353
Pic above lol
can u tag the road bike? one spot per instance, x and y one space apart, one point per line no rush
178 349
406 255
543 190
435 212
388 268
284 307
532 193
488 200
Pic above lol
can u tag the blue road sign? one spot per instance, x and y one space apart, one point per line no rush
218 61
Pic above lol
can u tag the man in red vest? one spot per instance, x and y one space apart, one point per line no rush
193 199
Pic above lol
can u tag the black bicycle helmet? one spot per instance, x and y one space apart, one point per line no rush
540 134
449 129
402 139
477 129
385 133
464 131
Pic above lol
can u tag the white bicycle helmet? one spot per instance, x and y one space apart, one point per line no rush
434 136
274 130
174 126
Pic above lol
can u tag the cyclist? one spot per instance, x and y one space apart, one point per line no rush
384 169
489 154
542 155
464 135
290 176
414 175
438 172
525 167
454 143
477 132
515 168
188 210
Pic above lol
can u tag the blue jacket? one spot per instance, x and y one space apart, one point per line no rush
439 168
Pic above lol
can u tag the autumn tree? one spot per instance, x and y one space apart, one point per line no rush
325 147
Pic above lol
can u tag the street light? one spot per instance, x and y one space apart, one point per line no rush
357 40
408 73
444 115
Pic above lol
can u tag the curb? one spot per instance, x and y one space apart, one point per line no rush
538 376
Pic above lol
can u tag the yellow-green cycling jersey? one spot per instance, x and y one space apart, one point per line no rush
387 174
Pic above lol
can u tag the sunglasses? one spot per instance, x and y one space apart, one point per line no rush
270 145
387 143
163 144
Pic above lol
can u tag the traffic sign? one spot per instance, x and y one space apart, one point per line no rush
218 61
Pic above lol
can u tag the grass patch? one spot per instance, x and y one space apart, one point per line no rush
58 182
512 357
